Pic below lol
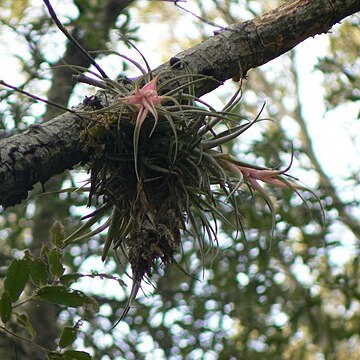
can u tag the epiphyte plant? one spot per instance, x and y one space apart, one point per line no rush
158 166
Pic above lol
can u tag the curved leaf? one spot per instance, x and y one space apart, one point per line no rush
69 297
38 272
56 267
68 279
5 307
16 278
57 233
68 336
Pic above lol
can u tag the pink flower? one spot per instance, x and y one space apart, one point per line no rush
251 176
146 99
268 176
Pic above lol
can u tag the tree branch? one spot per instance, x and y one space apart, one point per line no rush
62 76
48 149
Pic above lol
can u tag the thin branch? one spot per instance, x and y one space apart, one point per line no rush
199 17
72 39
19 338
34 97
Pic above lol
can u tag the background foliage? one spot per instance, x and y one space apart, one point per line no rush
296 297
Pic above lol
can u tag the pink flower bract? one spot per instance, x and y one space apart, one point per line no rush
145 99
268 176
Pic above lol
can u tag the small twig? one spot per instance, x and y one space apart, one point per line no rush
138 51
37 98
90 81
9 93
17 337
32 297
199 17
72 39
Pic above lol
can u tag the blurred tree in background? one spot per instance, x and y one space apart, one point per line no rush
294 297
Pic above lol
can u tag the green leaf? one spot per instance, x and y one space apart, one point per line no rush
55 263
38 272
5 307
68 336
44 250
16 278
76 355
24 322
57 233
70 278
69 297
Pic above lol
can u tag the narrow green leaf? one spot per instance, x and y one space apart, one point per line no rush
116 221
68 336
5 307
57 233
38 272
16 278
91 233
84 229
76 355
55 264
69 297
24 322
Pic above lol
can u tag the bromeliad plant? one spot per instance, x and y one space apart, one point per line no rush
157 163
158 166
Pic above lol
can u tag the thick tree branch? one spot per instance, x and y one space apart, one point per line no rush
48 149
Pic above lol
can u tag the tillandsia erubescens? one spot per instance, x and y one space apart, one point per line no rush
158 166
161 168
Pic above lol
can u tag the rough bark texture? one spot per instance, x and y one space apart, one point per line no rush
37 154
49 149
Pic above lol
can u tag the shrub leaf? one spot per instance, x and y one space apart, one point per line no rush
55 264
16 278
5 307
69 297
39 272
68 336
